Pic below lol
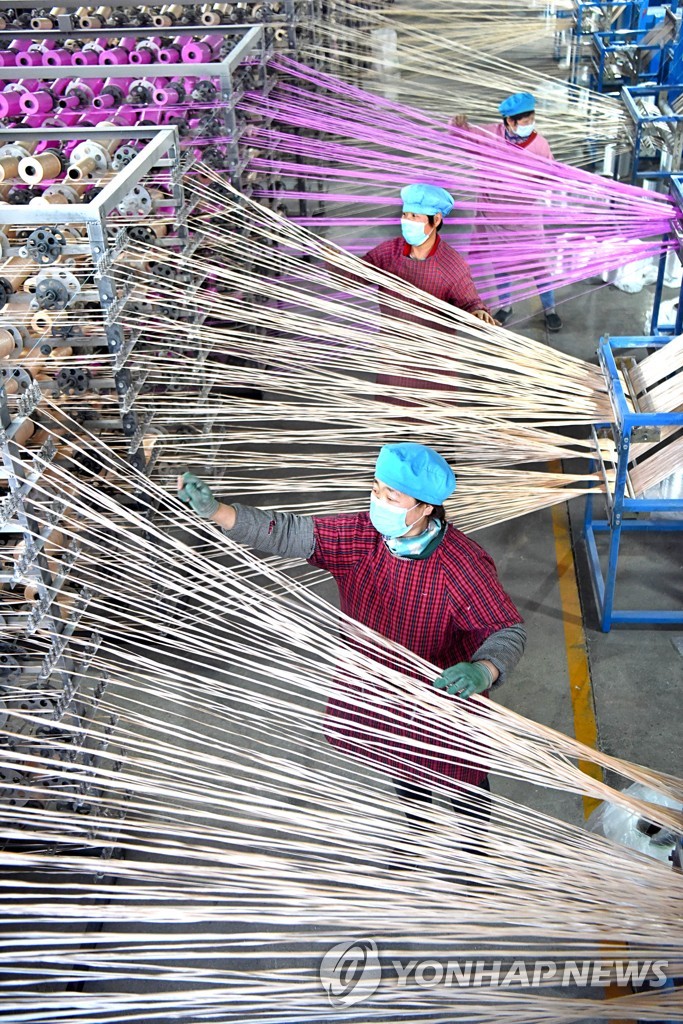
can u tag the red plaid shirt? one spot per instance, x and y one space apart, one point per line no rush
441 607
444 273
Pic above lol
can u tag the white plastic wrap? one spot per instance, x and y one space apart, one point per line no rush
620 825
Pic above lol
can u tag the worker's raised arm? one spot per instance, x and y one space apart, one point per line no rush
271 533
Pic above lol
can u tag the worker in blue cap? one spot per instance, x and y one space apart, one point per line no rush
423 259
420 256
415 579
518 129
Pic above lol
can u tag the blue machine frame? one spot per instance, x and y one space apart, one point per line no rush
676 190
647 61
665 94
626 15
627 427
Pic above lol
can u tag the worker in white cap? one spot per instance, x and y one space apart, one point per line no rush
416 580
517 128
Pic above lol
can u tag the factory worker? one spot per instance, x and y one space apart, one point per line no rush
517 128
419 582
423 259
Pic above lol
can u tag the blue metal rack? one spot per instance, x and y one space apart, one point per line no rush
664 129
675 326
625 58
596 17
628 427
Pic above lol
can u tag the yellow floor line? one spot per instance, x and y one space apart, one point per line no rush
580 683
580 686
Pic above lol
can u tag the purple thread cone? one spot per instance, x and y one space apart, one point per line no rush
203 51
85 58
57 59
30 59
37 102
10 103
117 55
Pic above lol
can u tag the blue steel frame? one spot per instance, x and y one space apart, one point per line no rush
676 191
665 93
627 15
618 502
617 41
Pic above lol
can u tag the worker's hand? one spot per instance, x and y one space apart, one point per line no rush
482 314
460 121
197 495
464 679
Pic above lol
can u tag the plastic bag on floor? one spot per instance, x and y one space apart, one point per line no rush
630 829
633 277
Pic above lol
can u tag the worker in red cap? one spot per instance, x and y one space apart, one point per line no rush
517 128
416 580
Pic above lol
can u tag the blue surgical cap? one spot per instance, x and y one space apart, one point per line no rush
518 103
416 470
427 199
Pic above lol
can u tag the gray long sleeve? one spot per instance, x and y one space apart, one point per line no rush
273 533
503 649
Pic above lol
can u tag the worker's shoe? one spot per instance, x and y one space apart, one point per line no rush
503 315
553 322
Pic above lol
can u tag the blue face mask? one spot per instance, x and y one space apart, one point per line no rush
413 231
389 521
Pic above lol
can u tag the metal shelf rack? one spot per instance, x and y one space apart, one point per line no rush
625 511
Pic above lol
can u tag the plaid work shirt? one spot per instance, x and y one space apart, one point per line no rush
443 274
441 607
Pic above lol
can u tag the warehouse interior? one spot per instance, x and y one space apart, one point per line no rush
187 192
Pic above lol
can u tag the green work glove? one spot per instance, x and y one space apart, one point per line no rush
464 679
197 495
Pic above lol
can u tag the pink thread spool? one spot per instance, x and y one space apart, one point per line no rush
142 90
31 58
10 101
174 92
112 94
85 58
20 45
43 100
80 94
153 115
172 54
202 51
57 59
90 54
64 119
117 55
8 58
146 52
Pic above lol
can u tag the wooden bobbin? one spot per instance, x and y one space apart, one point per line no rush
33 169
55 543
7 343
18 271
42 321
81 169
9 168
24 431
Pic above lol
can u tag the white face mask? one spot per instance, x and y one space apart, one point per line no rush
524 130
